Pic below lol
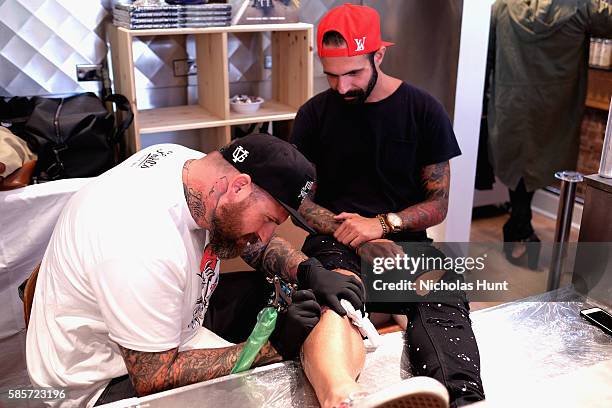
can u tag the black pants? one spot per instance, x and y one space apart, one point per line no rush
519 226
439 341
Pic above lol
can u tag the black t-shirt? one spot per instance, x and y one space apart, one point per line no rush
369 156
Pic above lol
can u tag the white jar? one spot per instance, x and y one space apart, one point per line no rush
597 51
605 60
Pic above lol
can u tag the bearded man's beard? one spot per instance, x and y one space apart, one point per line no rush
226 238
358 96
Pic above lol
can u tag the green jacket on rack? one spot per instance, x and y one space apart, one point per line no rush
538 53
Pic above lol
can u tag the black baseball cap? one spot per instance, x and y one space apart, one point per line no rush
277 167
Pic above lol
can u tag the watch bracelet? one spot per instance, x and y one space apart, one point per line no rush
383 224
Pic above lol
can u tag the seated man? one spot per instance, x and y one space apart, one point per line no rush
381 148
126 280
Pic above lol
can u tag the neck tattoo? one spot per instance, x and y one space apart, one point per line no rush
193 197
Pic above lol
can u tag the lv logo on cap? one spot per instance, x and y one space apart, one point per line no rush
360 44
240 153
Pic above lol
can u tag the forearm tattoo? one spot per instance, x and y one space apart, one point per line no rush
432 211
276 258
319 218
252 254
155 372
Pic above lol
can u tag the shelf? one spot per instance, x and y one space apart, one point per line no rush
268 112
226 29
195 117
292 82
177 118
600 68
597 105
599 90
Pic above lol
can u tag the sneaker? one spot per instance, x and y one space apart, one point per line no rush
415 392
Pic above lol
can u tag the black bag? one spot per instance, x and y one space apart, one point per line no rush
14 112
74 136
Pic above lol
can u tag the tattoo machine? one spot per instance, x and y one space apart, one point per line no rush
283 291
266 322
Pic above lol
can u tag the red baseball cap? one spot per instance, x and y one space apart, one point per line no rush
360 27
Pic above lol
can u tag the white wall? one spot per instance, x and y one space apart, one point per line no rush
468 111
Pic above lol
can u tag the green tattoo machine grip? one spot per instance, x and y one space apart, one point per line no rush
266 321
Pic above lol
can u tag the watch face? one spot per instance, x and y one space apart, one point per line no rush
395 221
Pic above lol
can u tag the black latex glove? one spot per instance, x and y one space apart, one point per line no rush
330 286
293 326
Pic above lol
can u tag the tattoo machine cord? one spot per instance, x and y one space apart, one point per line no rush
266 322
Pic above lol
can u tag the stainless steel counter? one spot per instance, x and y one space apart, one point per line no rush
593 269
599 182
541 341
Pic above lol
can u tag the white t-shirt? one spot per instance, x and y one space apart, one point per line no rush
122 266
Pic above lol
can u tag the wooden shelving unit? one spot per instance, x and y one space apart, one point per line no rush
599 90
292 81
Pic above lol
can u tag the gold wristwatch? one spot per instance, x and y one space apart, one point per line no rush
394 222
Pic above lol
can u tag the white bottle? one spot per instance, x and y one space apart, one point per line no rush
597 51
605 59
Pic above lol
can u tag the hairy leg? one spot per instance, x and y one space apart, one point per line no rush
333 356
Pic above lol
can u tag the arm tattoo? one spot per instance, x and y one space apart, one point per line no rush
281 258
436 180
252 254
319 218
155 372
432 211
276 258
